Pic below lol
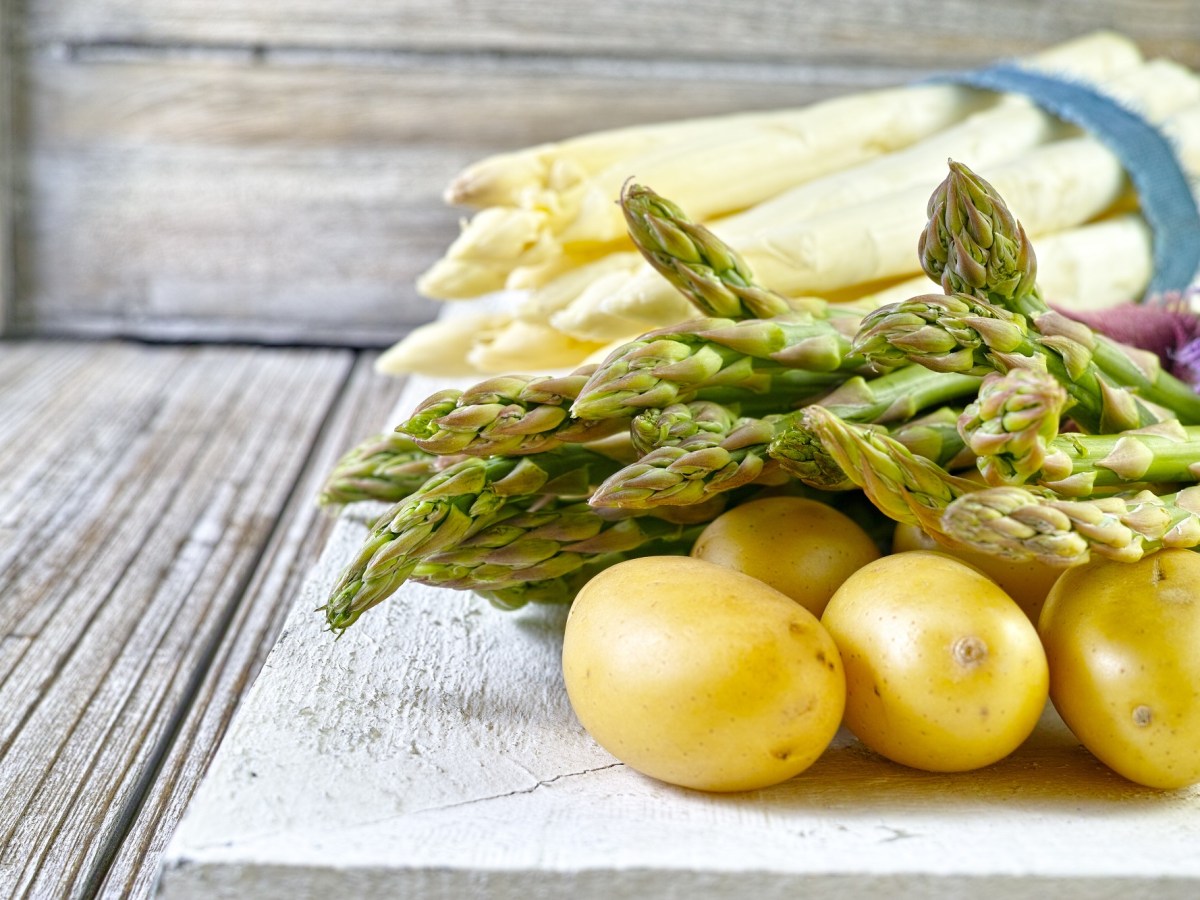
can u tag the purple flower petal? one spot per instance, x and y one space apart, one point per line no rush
1165 325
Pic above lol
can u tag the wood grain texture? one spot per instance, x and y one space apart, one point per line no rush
432 752
141 491
954 32
271 170
254 625
283 203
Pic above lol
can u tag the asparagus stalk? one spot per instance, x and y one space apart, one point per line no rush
449 508
695 261
694 424
681 366
1013 429
904 487
563 588
505 416
961 333
386 467
1022 524
713 352
547 543
897 396
517 176
1012 422
974 245
683 475
803 455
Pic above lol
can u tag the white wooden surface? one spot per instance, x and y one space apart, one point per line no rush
431 752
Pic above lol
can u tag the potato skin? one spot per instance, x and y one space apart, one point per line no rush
1028 583
944 672
700 676
798 546
1123 640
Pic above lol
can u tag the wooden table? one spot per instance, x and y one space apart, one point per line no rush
432 752
156 520
158 530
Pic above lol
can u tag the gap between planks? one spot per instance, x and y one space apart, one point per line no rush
485 62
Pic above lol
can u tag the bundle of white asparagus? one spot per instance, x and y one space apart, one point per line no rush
819 201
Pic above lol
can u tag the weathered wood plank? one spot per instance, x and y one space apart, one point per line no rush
363 408
120 595
292 203
12 648
955 32
39 462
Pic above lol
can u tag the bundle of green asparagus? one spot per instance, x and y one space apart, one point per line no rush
523 487
819 201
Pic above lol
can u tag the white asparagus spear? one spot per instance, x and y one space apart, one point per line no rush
528 347
585 317
723 173
712 177
441 347
540 304
516 178
1157 89
1053 187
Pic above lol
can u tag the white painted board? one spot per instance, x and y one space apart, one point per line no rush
431 752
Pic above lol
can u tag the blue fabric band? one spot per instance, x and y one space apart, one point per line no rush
1164 193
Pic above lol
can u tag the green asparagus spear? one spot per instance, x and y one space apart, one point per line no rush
1080 465
681 476
563 588
694 260
449 508
904 487
1023 524
1013 429
386 467
960 333
897 396
546 543
803 455
974 245
508 415
657 373
694 424
1012 422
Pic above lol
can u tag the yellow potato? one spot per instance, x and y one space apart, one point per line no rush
801 547
1026 582
1123 640
944 672
701 676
